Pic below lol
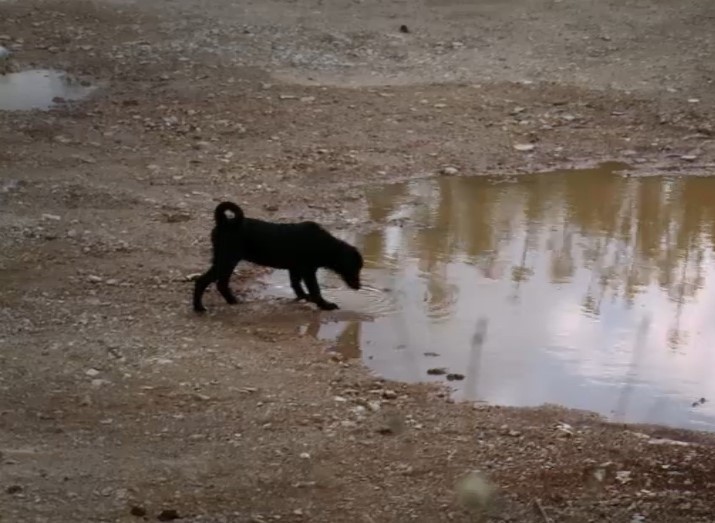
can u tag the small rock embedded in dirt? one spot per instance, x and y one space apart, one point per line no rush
454 376
168 515
449 171
438 371
475 491
431 354
689 157
94 279
138 511
92 372
524 147
404 29
389 394
177 217
14 489
51 217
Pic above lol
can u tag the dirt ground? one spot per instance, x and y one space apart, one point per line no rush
118 403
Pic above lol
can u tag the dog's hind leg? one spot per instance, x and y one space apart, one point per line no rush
224 270
314 291
295 284
202 282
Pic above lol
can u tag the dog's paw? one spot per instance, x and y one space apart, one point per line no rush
328 306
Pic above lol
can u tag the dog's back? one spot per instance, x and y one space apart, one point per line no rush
284 245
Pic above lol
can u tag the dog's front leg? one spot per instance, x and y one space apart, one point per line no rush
314 291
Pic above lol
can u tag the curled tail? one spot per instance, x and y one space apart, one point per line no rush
220 213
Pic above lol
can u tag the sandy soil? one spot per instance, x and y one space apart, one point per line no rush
117 403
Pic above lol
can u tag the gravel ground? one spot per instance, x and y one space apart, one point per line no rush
117 403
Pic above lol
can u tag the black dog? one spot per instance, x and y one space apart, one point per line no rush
302 248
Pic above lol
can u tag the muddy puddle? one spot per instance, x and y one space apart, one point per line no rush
588 289
40 89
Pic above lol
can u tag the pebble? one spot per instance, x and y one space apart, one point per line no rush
438 371
449 171
168 515
52 217
455 376
14 489
689 157
94 279
524 147
138 511
92 372
389 394
404 29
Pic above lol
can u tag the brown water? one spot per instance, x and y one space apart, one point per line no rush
587 289
39 89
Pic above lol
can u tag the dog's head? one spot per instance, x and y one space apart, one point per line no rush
349 266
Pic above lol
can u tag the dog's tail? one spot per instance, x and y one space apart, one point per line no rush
220 213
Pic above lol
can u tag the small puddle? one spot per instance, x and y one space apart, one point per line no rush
40 89
587 289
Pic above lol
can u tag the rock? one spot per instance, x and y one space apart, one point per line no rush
693 100
4 53
431 354
193 276
437 371
304 455
168 515
524 147
100 382
475 491
52 217
439 106
92 372
94 279
449 171
13 489
689 157
404 29
62 139
138 511
389 394
455 376
177 217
